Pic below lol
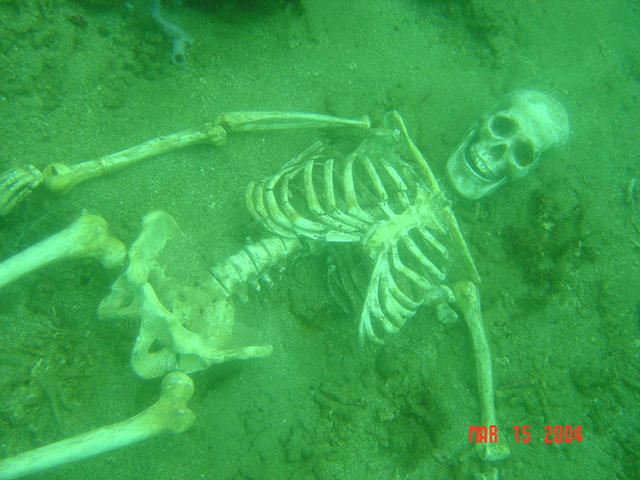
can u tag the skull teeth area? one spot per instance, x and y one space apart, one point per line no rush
476 164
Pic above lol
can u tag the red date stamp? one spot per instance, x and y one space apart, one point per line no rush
552 433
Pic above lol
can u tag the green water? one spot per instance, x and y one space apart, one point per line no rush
558 252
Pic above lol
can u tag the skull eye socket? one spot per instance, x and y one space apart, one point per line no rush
523 154
502 126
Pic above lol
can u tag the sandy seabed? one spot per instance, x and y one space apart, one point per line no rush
558 252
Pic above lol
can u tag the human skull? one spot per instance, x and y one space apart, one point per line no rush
507 142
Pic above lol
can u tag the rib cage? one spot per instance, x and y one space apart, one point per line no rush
374 198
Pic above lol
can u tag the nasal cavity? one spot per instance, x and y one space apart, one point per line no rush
497 151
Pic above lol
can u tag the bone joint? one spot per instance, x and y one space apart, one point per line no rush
169 414
86 237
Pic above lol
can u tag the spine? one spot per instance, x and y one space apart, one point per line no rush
236 272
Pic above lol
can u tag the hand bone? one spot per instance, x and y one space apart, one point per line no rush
169 414
86 237
15 184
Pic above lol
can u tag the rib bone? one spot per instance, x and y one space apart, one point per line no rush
372 197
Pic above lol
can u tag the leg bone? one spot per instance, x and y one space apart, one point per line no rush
169 414
86 237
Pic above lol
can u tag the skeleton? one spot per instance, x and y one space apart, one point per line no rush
392 207
507 142
382 198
